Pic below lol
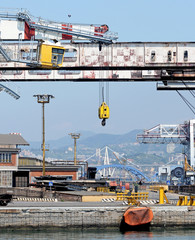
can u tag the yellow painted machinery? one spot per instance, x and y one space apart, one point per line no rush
104 113
51 56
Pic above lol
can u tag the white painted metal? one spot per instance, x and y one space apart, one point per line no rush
107 172
177 133
9 91
88 54
171 131
166 131
22 22
176 85
10 29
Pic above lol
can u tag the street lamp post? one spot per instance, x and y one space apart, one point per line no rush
44 98
75 136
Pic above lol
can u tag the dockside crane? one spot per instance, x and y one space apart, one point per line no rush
25 41
22 26
45 38
178 134
22 22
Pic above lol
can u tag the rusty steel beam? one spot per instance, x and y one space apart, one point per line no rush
118 62
85 80
104 68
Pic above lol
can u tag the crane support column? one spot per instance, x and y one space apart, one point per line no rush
192 152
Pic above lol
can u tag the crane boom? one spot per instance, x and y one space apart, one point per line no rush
22 22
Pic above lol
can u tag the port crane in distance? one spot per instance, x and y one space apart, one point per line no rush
177 134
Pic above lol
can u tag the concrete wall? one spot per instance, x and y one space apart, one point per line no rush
23 192
168 216
61 217
164 216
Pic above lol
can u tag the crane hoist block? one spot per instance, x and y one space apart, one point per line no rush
51 55
104 111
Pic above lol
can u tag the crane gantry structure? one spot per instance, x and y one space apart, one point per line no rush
91 54
174 133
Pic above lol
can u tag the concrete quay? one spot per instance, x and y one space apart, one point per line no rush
85 215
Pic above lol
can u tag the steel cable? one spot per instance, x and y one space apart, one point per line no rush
187 102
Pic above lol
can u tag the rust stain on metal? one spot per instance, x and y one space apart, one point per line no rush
10 211
136 74
132 52
126 58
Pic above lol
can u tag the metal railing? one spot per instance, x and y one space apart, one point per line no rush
133 196
103 189
51 26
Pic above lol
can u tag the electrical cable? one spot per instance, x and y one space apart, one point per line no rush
187 102
191 91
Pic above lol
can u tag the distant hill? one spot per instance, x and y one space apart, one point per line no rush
61 142
101 140
89 139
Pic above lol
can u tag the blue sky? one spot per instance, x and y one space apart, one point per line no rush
132 105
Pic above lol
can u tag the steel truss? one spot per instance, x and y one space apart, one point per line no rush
179 134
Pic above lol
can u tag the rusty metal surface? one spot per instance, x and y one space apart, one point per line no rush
122 61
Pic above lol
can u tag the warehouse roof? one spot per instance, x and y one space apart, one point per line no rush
12 139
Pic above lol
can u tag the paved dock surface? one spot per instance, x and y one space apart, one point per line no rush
152 195
15 204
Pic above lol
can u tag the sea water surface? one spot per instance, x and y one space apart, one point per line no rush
100 234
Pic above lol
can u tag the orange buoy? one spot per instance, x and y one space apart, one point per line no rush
136 219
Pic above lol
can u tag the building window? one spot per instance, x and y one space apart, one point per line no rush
153 56
169 56
68 72
5 178
5 157
185 55
39 72
11 72
70 55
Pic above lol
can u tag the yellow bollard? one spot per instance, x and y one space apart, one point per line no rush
191 201
185 201
161 195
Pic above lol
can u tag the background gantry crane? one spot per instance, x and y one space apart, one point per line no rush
175 133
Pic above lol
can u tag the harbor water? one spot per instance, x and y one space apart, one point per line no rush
93 234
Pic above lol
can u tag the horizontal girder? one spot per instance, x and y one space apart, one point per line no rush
164 133
163 62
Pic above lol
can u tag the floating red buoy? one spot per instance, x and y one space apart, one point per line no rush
136 219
